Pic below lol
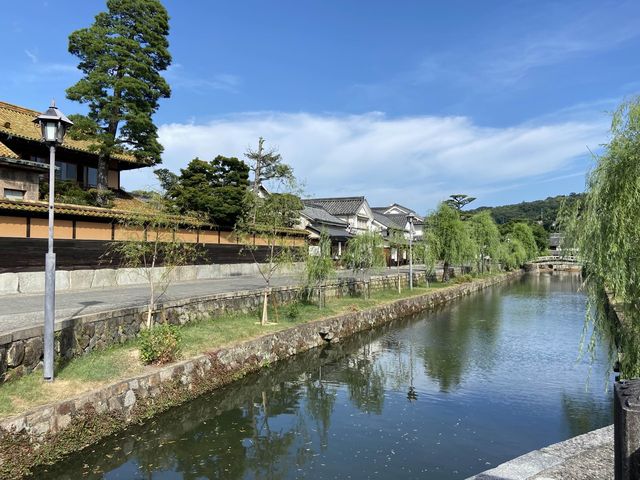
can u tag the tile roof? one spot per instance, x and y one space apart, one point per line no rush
337 205
64 208
18 122
316 213
6 152
336 233
80 210
419 219
390 221
18 163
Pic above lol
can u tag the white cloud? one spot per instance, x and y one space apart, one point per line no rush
415 160
32 56
179 78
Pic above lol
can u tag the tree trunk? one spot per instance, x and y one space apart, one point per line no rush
103 172
445 273
265 312
398 270
102 182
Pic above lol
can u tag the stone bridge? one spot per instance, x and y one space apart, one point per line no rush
568 263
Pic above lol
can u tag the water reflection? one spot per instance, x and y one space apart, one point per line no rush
442 395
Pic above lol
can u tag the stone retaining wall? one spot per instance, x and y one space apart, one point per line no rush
21 350
54 430
33 282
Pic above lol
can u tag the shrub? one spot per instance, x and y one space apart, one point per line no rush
160 344
67 191
292 310
466 278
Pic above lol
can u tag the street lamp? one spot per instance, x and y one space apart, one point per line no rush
54 125
410 218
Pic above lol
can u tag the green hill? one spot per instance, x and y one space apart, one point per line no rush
545 210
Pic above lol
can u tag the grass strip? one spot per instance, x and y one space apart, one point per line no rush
118 362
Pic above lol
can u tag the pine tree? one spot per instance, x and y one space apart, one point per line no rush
121 56
216 189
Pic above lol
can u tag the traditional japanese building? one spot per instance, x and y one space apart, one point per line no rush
24 158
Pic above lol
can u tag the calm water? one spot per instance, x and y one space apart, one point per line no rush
440 396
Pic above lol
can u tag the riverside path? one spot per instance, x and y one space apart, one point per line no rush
19 311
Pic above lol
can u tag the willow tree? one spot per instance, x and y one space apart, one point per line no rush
319 267
524 234
425 251
604 229
511 254
452 240
398 242
121 56
486 236
364 252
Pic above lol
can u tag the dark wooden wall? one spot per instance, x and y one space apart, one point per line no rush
27 254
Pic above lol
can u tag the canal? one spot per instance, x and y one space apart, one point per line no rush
443 395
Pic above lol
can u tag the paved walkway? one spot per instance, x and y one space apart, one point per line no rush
26 310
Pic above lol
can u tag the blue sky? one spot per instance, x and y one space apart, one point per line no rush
404 101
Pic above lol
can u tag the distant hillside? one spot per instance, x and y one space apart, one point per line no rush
545 210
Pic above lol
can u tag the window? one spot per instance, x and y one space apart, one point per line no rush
67 171
14 194
90 176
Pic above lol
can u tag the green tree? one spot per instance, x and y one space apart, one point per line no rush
522 232
398 242
459 200
541 237
486 236
319 268
266 165
512 254
166 178
121 56
452 240
215 189
364 252
425 252
269 219
154 249
545 211
604 230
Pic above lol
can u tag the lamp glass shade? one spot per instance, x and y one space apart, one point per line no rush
50 131
62 129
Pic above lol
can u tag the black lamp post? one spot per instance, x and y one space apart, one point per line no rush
54 125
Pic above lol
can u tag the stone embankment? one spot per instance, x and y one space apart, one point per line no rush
21 350
47 433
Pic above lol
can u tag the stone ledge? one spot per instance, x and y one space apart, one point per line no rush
588 456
